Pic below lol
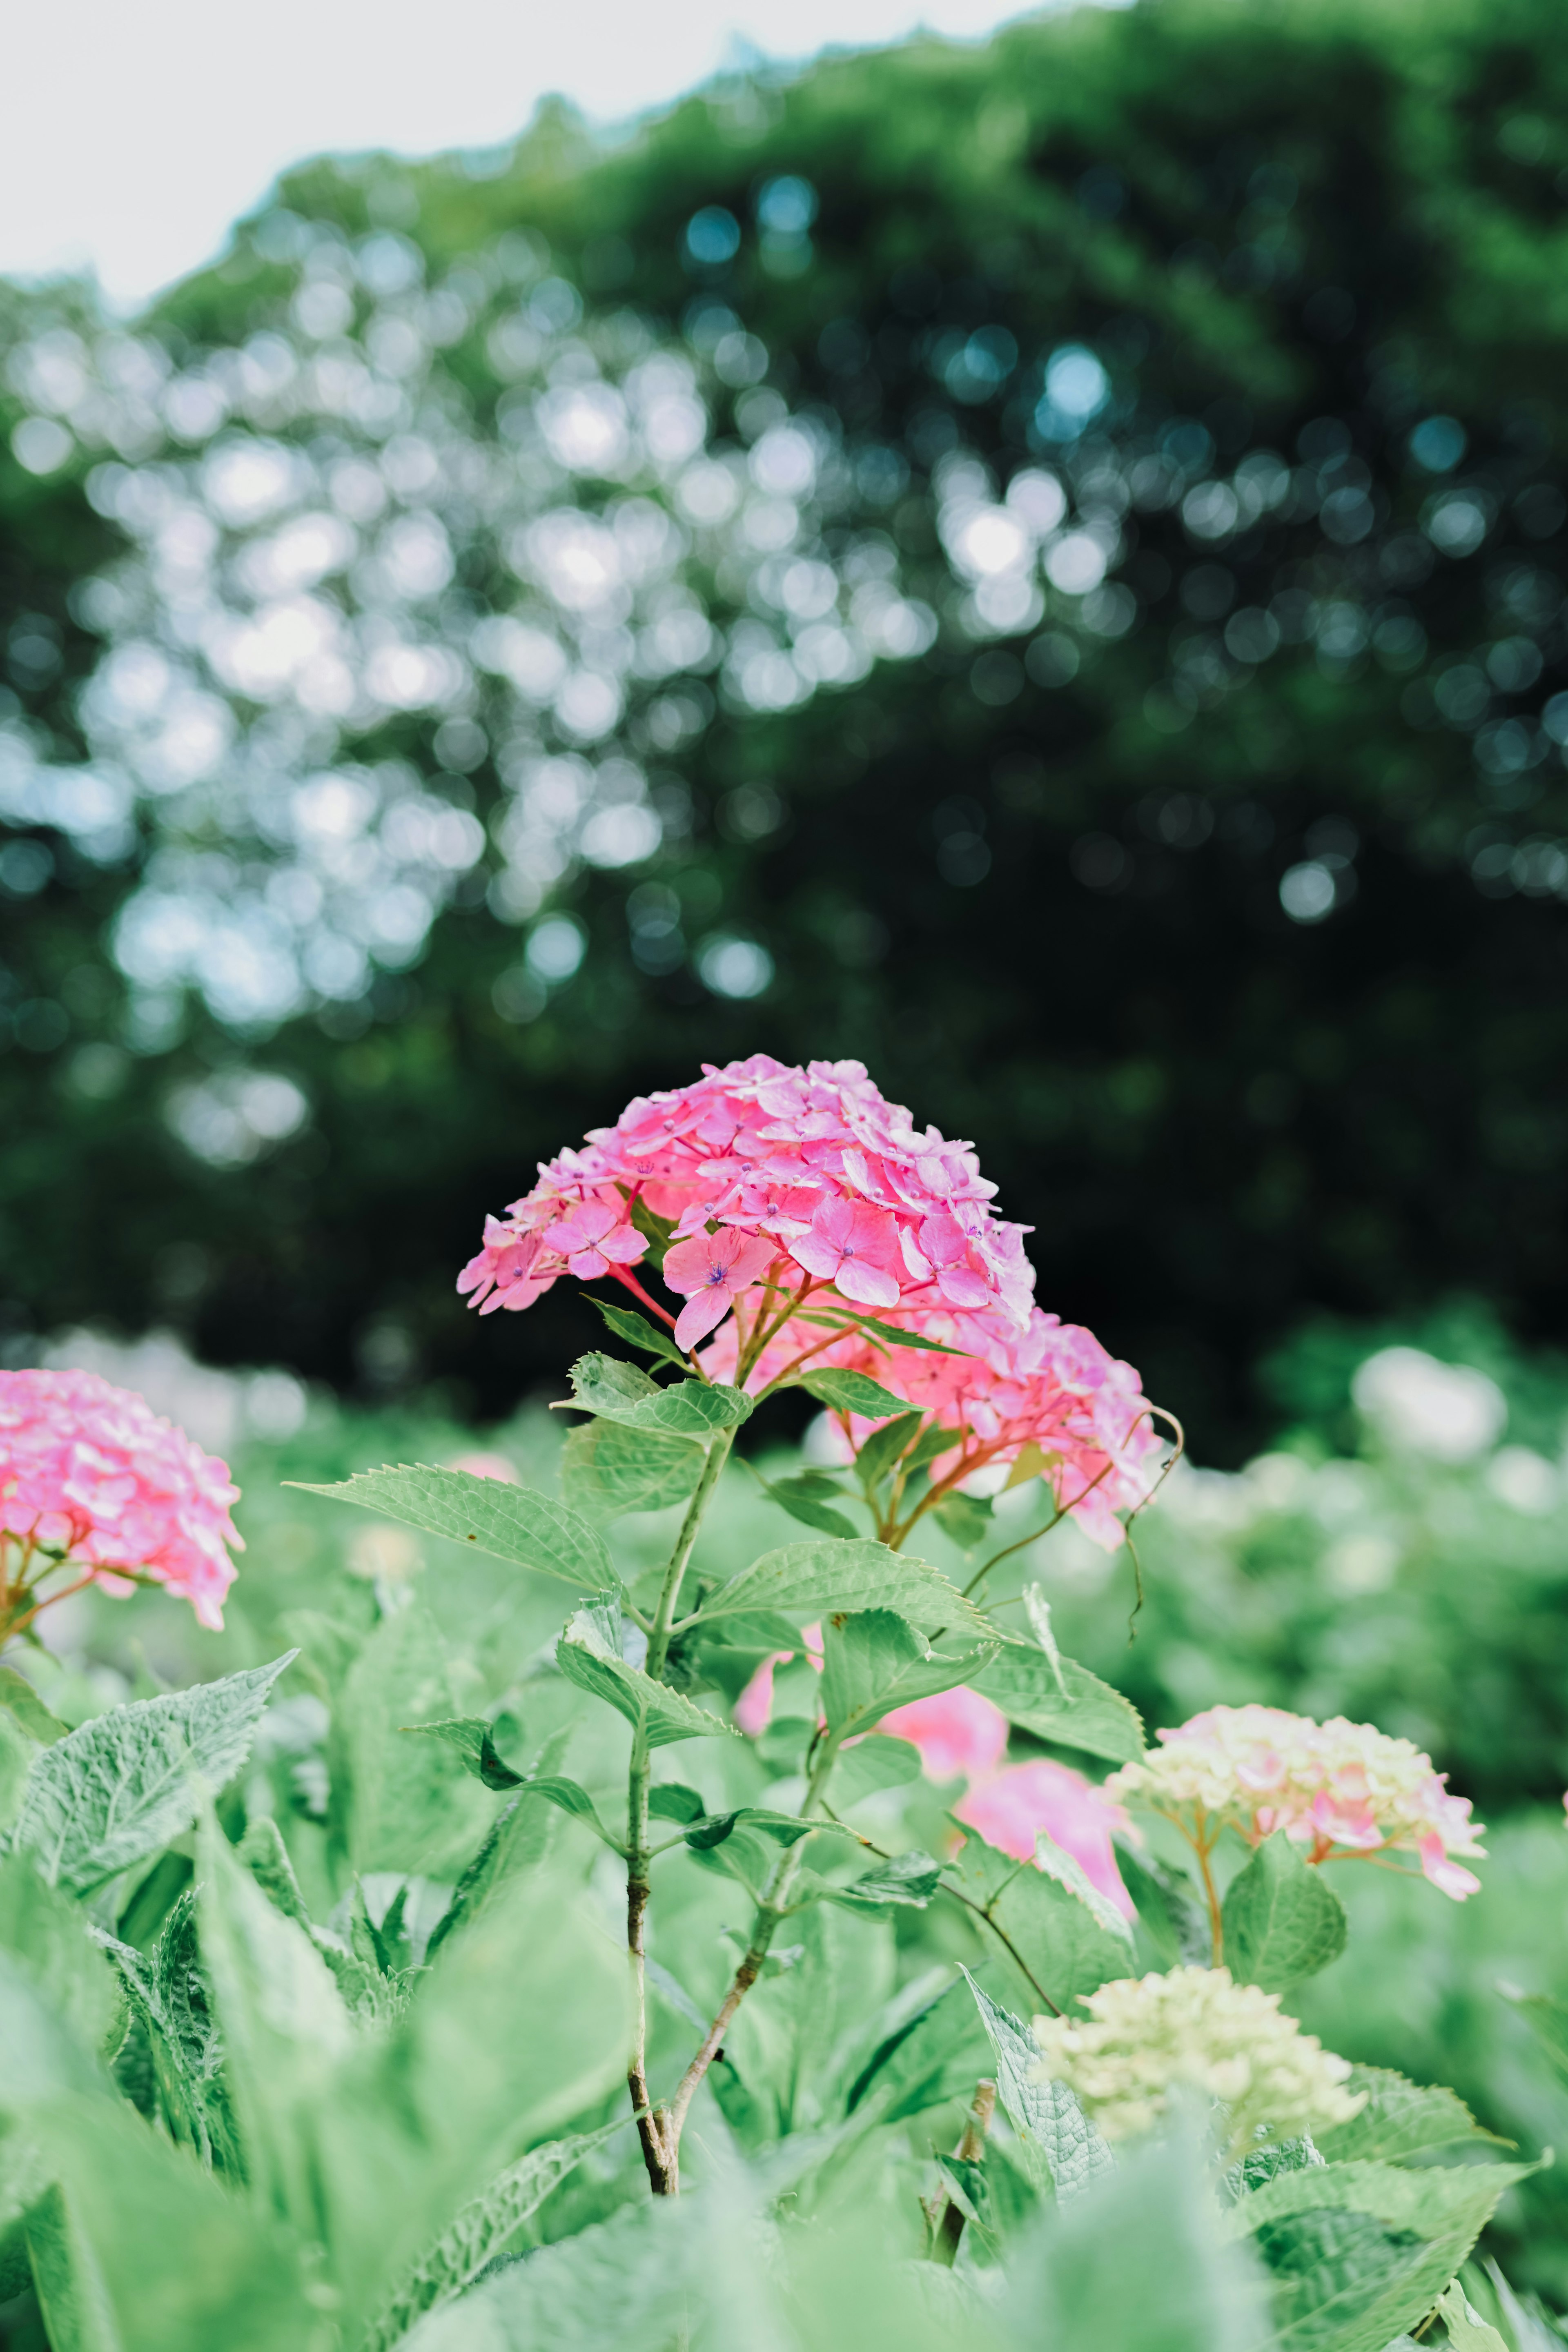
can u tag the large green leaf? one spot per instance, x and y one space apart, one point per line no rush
1282 1920
1399 2119
872 1763
588 1653
1360 2251
20 1700
167 1989
815 1579
874 1660
932 2050
511 1523
112 1792
1060 1927
607 1468
285 2028
906 1881
480 2231
1059 1700
398 1803
612 1391
46 1932
139 2250
1045 2115
1133 2265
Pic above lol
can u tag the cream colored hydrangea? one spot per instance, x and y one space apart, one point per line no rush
1336 1788
1196 2027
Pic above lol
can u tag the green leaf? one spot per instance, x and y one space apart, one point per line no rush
1059 1924
481 2230
637 1331
966 1519
1059 1700
397 1803
872 1763
800 1496
1467 2331
607 1468
815 1579
1360 2251
930 2048
18 1696
843 1392
141 2248
907 1881
1282 1920
569 1798
671 1800
1168 1909
509 1523
470 1736
784 1829
168 1990
587 1658
656 1229
112 1792
1400 2119
884 1446
616 1391
1548 2019
518 1839
1045 2115
873 1661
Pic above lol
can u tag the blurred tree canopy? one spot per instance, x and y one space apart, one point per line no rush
1038 566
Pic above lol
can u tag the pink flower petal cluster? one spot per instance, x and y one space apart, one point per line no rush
819 1177
1050 1386
1336 1788
92 1473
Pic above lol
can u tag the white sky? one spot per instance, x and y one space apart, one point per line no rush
132 136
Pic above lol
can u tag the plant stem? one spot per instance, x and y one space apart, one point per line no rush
772 1907
1203 1847
659 2143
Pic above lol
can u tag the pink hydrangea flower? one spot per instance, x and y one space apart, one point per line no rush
1012 1808
710 1271
92 1480
833 1187
1337 1788
960 1734
1049 1390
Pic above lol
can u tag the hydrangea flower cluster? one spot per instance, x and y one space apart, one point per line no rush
92 1479
1195 2026
1047 1397
806 1177
1338 1788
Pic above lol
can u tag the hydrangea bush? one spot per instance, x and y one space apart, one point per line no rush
924 2030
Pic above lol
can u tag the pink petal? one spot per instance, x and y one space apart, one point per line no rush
960 1734
867 1285
701 1314
687 1266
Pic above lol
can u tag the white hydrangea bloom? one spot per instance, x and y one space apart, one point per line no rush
1195 2026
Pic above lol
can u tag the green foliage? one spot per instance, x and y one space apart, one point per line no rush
617 1391
1281 1919
119 1789
607 1468
851 1393
325 2092
510 1522
807 1579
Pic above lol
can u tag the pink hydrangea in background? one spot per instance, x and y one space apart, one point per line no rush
1011 1809
960 1734
1338 1788
829 1186
92 1480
